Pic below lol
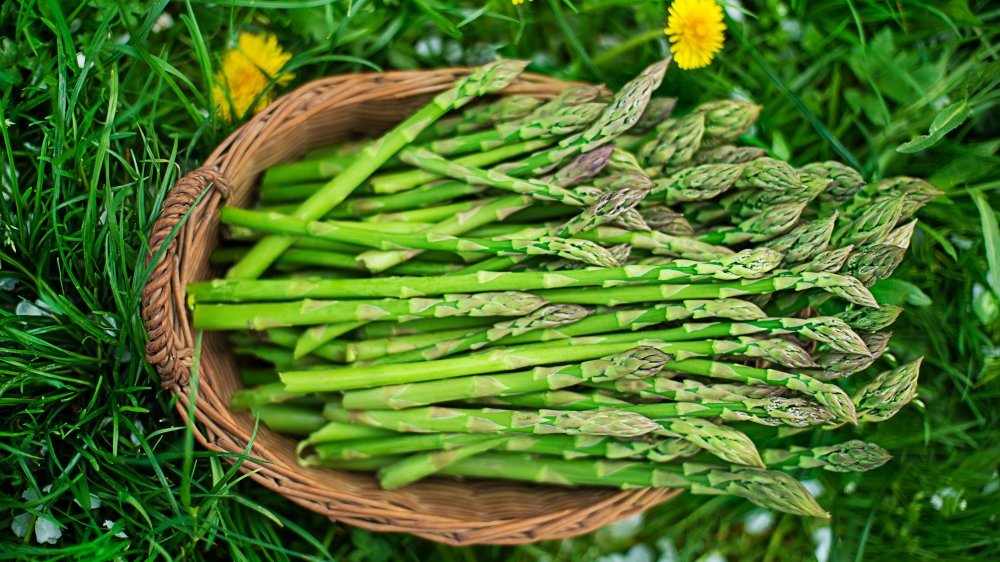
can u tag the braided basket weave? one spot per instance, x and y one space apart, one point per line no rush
186 233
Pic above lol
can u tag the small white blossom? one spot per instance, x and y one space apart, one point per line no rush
758 521
734 9
81 60
668 552
814 487
823 537
109 524
25 308
163 22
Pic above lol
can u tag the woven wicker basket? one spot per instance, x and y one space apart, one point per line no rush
449 511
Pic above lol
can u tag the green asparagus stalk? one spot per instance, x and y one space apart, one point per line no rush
676 142
420 466
745 264
758 228
426 160
621 114
507 108
824 329
292 419
274 223
873 262
622 424
727 154
845 287
830 261
486 79
666 220
836 365
769 174
333 434
805 241
830 396
561 445
295 259
638 319
864 319
873 224
558 123
726 120
665 386
697 183
640 362
396 182
373 348
317 336
888 392
849 456
582 168
770 489
260 316
425 326
657 111
770 411
531 355
846 181
548 317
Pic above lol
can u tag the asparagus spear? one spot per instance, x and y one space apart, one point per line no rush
489 78
640 362
428 325
665 386
548 317
396 182
849 456
420 466
770 411
726 120
873 224
873 262
728 154
507 108
864 319
766 488
433 419
697 183
843 286
749 263
621 114
830 396
426 160
567 446
825 329
805 241
561 122
880 399
286 418
259 316
316 336
676 142
657 111
846 181
274 223
838 365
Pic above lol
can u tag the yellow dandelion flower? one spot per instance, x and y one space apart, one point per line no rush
695 29
517 2
247 71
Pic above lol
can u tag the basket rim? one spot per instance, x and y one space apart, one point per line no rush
165 315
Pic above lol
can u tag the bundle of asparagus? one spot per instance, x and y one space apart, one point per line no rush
587 290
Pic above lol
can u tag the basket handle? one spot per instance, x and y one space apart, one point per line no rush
167 349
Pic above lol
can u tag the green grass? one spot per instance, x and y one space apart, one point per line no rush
101 112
